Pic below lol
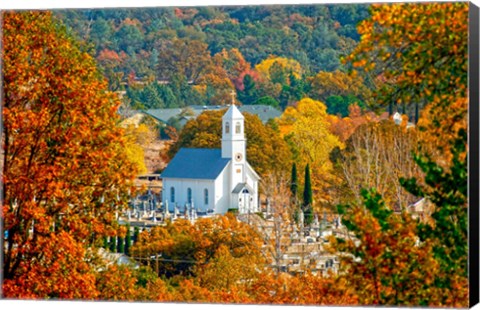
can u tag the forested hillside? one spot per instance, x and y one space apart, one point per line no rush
174 57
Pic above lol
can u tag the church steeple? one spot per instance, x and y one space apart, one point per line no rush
233 135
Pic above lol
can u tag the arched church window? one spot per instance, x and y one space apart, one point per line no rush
205 196
189 195
227 127
172 194
238 128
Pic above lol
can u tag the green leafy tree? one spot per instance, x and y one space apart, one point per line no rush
267 100
339 105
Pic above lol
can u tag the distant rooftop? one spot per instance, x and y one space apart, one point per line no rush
264 112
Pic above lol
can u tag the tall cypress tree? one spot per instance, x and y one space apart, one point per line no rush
136 233
307 191
113 244
294 181
120 245
128 241
105 242
308 197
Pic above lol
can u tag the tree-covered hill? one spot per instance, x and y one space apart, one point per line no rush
170 57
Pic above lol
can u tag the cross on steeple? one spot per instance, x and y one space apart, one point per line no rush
233 97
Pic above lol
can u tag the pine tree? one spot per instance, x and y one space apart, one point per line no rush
136 233
113 244
294 181
249 93
128 241
120 244
308 197
307 191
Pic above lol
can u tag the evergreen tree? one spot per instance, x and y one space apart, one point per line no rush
294 181
308 197
105 242
249 93
136 233
307 191
448 190
120 244
113 244
308 215
128 241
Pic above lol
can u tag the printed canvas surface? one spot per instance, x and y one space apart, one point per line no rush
310 154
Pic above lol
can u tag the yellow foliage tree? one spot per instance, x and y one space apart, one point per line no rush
326 84
288 65
306 129
138 138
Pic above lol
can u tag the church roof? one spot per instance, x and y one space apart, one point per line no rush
193 163
233 113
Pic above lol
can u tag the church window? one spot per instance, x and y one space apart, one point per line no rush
227 127
238 128
205 196
189 195
172 194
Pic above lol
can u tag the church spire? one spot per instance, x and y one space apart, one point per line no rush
233 94
233 133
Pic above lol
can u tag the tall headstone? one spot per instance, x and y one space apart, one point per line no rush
175 211
301 219
166 213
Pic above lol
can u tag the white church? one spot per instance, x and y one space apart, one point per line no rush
212 181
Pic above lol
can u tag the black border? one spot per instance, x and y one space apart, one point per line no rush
473 160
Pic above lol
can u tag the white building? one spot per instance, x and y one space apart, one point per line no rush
212 181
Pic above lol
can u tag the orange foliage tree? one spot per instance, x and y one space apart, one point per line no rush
386 263
420 50
65 172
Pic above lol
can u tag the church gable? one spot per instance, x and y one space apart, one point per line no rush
252 173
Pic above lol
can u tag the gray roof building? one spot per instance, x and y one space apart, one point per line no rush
194 163
264 112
